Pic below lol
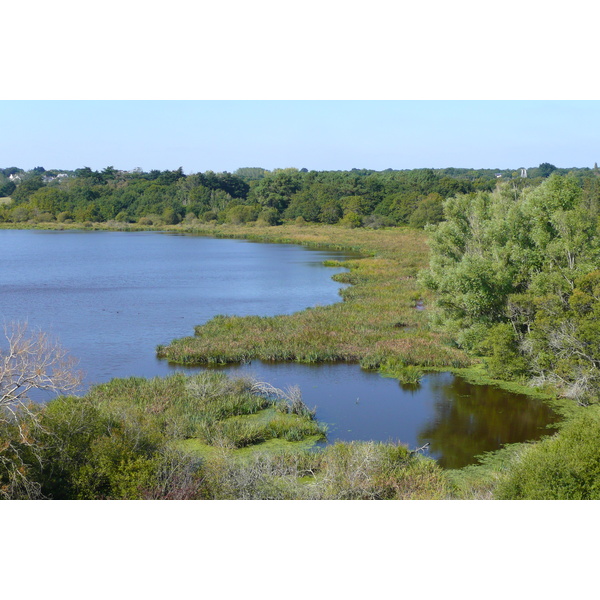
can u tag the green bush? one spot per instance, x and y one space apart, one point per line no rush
505 361
351 220
269 216
374 471
563 467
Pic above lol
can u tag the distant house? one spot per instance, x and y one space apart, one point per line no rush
498 175
14 177
49 178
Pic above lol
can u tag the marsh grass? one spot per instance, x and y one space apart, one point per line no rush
287 401
217 410
254 443
253 439
344 471
363 328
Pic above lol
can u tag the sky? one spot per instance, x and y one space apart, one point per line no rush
220 86
224 135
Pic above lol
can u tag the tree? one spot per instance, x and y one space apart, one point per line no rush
26 188
429 211
109 173
545 169
29 360
49 199
276 189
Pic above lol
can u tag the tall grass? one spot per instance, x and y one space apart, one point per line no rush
377 322
230 414
344 471
211 407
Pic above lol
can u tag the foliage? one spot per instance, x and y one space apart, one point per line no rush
364 326
428 211
505 362
515 274
124 440
391 197
563 467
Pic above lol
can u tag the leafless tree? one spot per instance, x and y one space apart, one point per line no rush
32 360
290 398
29 360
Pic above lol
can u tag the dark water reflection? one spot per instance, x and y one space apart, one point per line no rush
470 419
458 419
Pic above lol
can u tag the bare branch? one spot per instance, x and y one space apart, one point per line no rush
31 360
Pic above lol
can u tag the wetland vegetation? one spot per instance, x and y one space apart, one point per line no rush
503 290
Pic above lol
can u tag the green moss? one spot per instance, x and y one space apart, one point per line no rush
275 446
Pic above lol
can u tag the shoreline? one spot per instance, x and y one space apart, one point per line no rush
379 306
317 236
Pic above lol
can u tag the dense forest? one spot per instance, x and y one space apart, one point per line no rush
516 277
355 198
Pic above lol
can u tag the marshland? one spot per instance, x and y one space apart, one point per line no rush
201 432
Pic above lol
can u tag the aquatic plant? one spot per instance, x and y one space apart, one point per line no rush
362 328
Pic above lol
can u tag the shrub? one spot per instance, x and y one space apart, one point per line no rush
377 221
269 216
123 217
351 220
145 220
429 211
505 361
19 214
240 214
374 471
563 467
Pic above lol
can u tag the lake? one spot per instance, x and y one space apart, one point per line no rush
458 419
112 297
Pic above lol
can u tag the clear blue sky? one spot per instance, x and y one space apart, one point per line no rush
320 135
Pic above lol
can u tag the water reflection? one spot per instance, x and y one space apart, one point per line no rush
471 419
111 297
458 419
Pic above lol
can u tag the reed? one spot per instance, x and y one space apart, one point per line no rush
344 471
378 320
210 407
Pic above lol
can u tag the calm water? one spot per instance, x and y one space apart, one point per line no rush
459 420
111 297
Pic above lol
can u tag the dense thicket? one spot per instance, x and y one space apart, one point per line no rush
355 198
563 467
517 278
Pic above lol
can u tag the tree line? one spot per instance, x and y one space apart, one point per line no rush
355 198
